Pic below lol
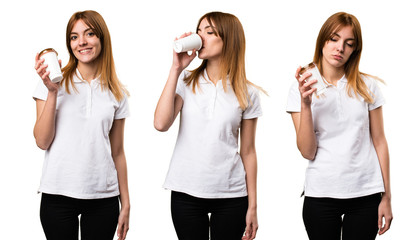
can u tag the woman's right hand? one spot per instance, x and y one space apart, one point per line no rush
305 86
40 68
182 60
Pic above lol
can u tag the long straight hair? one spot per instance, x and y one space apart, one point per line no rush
232 64
334 23
106 69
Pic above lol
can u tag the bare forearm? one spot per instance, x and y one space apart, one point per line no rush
121 166
306 139
383 155
44 130
250 164
165 109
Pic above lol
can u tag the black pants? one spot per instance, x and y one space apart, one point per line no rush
330 218
59 217
192 222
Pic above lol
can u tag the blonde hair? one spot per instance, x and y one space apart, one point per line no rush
334 23
232 65
106 68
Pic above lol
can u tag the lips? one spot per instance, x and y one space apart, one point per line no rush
337 57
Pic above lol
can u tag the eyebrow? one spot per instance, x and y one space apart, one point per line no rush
336 34
204 28
87 29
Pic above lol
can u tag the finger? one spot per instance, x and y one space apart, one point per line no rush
297 73
45 76
59 62
125 232
248 232
309 83
308 93
303 78
254 231
380 223
386 226
36 57
119 231
41 69
185 34
193 54
39 63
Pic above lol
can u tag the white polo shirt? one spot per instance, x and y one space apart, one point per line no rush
78 163
346 164
205 161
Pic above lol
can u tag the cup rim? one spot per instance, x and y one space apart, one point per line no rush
48 50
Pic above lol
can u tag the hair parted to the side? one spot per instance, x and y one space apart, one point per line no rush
334 23
232 65
106 67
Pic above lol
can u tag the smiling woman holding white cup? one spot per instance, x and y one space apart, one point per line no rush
80 123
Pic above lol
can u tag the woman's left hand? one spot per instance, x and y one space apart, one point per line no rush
123 223
251 225
384 212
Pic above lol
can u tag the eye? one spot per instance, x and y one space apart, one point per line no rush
333 39
210 33
350 44
91 34
72 38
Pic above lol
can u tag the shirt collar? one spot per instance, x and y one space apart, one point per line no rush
206 80
79 79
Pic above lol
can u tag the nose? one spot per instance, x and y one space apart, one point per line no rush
340 46
82 40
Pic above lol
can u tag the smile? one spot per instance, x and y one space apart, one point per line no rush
85 51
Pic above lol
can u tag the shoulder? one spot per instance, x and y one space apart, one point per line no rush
254 89
370 81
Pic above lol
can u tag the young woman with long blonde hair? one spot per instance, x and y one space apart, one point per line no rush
80 124
218 105
347 187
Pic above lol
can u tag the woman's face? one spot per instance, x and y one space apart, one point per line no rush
339 48
86 46
212 44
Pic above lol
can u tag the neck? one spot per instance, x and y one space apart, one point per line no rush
88 71
331 73
213 71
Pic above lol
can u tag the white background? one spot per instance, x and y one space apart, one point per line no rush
280 36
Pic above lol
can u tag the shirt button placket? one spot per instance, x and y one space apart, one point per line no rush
89 101
212 103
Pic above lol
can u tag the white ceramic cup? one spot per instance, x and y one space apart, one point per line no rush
188 43
320 85
50 57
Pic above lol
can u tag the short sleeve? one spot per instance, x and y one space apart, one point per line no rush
180 86
41 91
123 110
378 98
254 109
293 100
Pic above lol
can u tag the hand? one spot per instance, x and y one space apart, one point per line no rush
305 87
384 212
40 68
251 225
123 223
182 60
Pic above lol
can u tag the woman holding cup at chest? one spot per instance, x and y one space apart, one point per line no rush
217 105
80 124
342 135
